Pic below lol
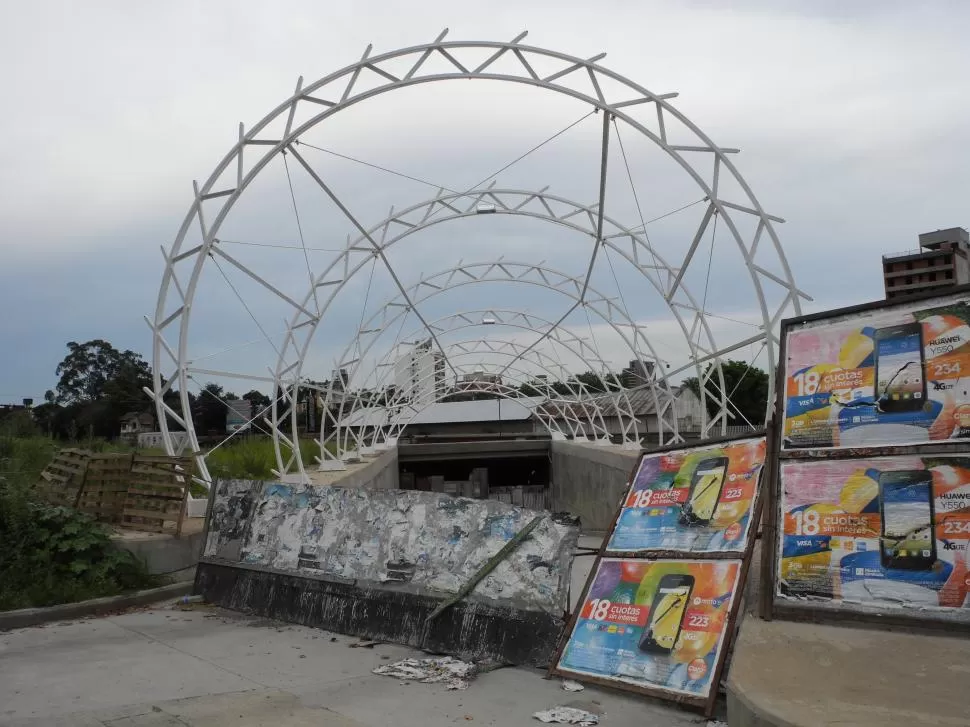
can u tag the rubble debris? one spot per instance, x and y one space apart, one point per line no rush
568 715
453 673
365 644
568 685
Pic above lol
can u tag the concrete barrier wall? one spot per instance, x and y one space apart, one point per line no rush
163 554
376 563
380 473
589 480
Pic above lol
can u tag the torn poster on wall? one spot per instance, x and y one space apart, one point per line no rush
430 542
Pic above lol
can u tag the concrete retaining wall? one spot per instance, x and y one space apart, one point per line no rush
164 554
376 563
589 480
379 473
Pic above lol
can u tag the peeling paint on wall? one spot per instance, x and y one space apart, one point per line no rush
424 543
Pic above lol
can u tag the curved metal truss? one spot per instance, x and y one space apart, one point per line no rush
575 416
388 315
581 411
617 98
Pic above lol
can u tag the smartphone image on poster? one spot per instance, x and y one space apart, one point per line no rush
705 492
667 614
900 379
907 540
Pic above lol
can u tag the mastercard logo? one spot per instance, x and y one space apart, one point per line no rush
697 669
962 415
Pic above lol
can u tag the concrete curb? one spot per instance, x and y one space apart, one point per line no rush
95 607
743 711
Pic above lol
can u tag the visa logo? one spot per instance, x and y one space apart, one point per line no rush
803 543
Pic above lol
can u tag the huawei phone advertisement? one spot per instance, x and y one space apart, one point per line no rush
694 500
881 532
654 624
887 377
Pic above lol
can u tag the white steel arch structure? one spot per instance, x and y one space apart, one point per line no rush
580 395
393 418
541 275
617 98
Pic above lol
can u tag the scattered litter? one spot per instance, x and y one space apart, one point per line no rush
364 644
568 715
454 673
568 685
716 723
191 603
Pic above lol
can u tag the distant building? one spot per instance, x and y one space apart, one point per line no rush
339 379
637 374
942 261
687 410
419 376
133 424
155 440
476 385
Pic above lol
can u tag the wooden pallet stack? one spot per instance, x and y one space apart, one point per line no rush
105 487
157 491
62 480
133 491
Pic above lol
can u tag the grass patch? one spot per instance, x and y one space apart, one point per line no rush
251 459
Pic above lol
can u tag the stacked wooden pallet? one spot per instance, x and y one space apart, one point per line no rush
105 486
61 481
134 491
157 490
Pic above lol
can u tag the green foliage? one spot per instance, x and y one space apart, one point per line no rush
209 410
96 370
542 387
746 387
48 554
252 458
97 386
596 383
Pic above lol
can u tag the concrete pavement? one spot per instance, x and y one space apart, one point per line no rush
163 667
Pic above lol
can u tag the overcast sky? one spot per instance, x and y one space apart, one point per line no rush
851 118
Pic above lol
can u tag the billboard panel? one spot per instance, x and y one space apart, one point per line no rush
881 533
238 415
896 375
658 625
694 500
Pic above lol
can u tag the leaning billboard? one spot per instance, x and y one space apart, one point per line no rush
692 500
896 375
655 625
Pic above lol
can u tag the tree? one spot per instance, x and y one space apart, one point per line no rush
258 399
746 387
209 412
95 369
98 385
594 382
543 387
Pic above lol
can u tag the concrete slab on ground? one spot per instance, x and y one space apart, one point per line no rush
802 675
164 666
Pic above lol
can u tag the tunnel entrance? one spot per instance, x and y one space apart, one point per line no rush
511 471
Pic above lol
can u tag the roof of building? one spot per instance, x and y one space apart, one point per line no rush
141 417
641 402
453 412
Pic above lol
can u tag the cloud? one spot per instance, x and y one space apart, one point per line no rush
849 117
